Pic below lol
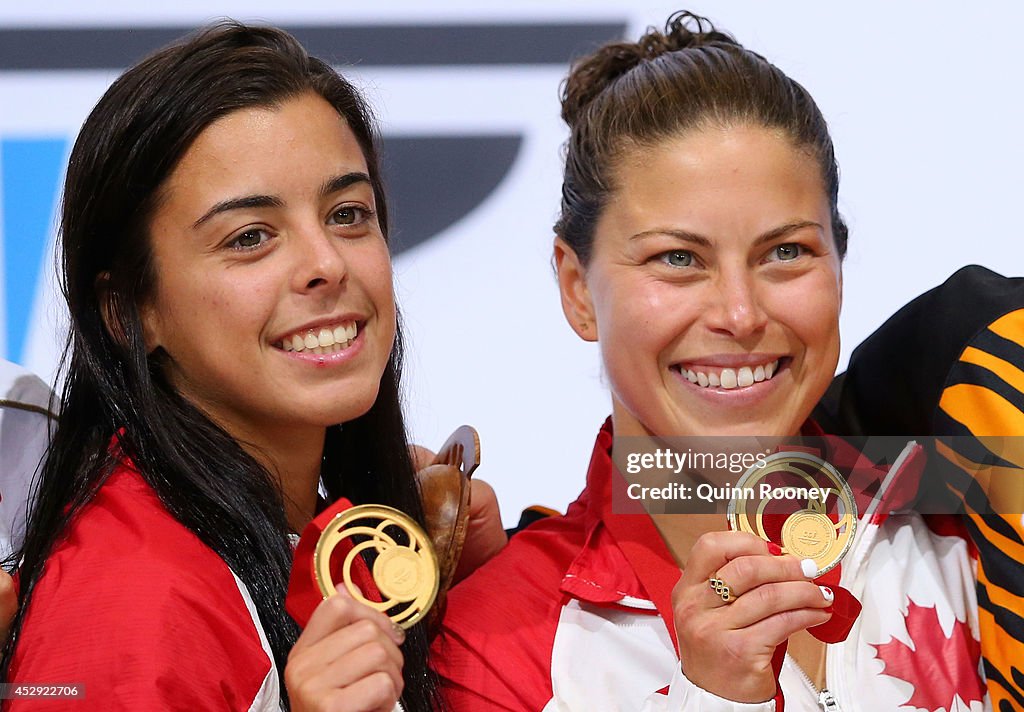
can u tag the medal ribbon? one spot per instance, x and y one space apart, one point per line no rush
304 593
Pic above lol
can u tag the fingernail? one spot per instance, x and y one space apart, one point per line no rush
826 592
399 633
774 549
809 568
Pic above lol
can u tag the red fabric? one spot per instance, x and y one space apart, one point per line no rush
134 607
494 651
303 591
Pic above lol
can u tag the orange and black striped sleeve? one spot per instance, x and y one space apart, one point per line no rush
951 364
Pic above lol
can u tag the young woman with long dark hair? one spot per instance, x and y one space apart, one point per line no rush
233 348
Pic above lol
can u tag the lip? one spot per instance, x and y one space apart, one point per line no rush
331 359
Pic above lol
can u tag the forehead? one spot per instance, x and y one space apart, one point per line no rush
741 176
265 147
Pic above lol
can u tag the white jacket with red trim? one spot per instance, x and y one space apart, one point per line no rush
575 614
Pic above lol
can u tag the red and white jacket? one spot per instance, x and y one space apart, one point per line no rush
575 614
134 607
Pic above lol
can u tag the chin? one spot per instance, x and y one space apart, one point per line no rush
341 408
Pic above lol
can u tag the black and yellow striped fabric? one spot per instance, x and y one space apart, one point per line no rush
951 364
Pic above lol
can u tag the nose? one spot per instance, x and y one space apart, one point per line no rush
320 262
736 307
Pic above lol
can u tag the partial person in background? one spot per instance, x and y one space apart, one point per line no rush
27 413
27 410
700 246
951 364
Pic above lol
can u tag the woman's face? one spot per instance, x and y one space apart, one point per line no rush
273 299
713 288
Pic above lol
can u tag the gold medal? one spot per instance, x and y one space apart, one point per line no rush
813 502
404 566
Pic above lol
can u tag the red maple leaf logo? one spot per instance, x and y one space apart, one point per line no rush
945 668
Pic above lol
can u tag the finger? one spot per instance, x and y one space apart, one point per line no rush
353 637
485 534
714 550
340 659
771 599
364 661
421 456
779 627
8 603
340 610
376 693
483 502
745 573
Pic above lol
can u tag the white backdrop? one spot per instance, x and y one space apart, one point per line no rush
925 110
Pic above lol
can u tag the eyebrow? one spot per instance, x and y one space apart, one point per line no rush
687 236
337 183
248 202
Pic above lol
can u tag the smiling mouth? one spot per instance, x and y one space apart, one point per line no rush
325 340
729 378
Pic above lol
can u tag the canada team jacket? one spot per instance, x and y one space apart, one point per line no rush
575 614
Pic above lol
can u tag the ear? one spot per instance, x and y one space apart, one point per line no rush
112 318
572 283
840 289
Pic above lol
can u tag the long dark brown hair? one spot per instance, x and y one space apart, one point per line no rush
127 149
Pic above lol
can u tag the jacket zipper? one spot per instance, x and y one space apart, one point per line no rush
826 700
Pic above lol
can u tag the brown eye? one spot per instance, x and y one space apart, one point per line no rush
348 215
250 239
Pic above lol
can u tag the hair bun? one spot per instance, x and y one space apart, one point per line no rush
592 74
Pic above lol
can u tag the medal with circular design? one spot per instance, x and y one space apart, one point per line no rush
801 503
400 557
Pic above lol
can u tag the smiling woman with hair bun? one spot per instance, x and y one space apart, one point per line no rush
700 246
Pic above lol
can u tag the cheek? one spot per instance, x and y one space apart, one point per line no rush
378 282
627 310
815 320
215 308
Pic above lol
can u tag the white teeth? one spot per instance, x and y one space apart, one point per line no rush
744 377
325 339
728 378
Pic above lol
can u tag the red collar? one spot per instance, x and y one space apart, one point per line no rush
624 556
